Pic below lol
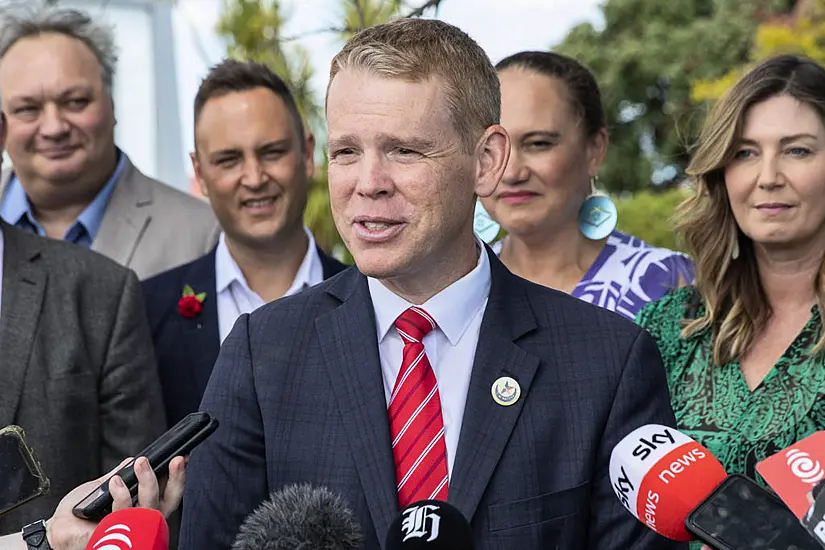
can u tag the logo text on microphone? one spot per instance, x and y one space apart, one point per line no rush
421 522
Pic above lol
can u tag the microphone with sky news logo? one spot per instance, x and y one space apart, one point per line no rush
661 475
677 488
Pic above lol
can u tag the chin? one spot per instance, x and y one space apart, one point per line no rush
378 264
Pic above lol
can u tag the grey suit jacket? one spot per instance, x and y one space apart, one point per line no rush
77 369
149 226
298 390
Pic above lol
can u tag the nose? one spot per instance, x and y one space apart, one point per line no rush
53 125
770 175
516 171
374 179
254 176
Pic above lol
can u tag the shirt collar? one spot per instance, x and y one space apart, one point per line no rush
16 207
310 272
453 308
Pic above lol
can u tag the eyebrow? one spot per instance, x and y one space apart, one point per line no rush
63 95
552 134
783 140
275 144
349 140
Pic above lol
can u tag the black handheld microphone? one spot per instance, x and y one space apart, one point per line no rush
430 525
300 517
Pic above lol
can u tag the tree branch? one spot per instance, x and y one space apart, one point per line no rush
416 12
419 11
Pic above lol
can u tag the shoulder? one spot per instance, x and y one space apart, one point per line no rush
556 310
295 314
628 244
168 199
72 268
164 282
663 317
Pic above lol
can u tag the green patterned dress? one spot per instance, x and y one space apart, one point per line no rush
714 405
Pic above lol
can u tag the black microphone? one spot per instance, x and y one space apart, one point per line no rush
430 525
300 517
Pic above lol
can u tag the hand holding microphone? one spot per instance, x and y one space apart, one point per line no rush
65 531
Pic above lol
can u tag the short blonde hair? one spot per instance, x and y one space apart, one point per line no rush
420 49
736 306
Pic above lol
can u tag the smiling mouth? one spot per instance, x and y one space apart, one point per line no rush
259 203
377 226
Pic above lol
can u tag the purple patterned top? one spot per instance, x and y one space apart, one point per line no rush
628 273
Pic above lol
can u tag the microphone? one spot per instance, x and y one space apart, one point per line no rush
814 519
300 517
661 475
430 525
131 529
794 471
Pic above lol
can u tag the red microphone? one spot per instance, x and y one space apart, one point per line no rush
131 529
661 475
793 472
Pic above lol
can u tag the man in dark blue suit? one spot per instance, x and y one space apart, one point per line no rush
430 371
253 159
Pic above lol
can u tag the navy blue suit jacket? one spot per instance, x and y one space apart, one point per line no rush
186 348
299 393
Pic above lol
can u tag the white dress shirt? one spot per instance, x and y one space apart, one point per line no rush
450 347
234 295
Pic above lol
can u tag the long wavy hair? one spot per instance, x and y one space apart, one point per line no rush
735 304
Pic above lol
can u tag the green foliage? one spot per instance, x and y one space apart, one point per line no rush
254 31
648 216
645 59
803 33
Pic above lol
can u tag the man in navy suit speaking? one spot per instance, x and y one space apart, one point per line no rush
430 371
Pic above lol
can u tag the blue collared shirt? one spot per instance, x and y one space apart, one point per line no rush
15 209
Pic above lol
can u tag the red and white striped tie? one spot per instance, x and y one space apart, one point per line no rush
416 425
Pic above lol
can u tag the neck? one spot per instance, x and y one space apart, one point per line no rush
270 270
556 258
57 204
788 276
419 286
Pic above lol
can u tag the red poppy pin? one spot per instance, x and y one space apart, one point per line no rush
190 304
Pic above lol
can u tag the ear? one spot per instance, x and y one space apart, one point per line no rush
309 155
196 166
3 130
492 154
596 151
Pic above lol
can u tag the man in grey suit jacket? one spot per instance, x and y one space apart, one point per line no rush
431 371
69 180
78 369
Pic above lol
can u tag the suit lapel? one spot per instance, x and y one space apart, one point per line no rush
125 218
24 283
487 426
349 344
201 335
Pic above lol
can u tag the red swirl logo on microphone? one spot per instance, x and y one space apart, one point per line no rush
113 538
804 467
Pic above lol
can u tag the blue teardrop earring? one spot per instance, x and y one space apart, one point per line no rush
597 215
484 226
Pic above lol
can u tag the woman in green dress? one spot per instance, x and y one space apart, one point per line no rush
742 346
